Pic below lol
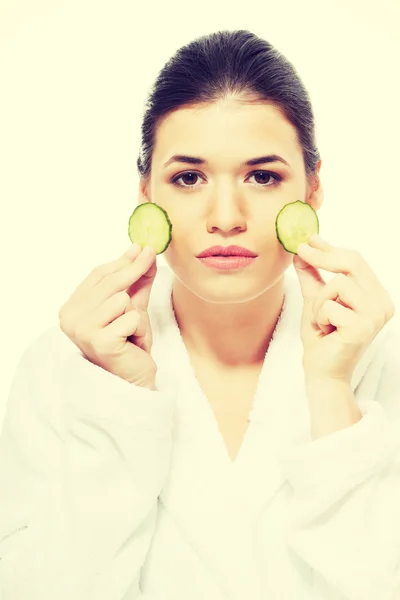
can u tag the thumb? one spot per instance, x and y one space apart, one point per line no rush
140 290
310 279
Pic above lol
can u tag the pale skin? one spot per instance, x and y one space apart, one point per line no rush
227 318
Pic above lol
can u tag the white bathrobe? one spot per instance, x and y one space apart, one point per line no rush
110 491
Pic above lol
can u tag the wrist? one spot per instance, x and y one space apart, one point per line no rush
332 404
321 380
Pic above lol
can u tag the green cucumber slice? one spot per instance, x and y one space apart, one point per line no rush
296 223
149 225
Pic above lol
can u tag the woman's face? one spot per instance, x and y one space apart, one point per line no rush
224 201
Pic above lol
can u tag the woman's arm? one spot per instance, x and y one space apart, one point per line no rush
83 458
345 511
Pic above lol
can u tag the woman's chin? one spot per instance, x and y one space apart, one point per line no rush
236 292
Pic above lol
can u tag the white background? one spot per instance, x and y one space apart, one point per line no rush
74 78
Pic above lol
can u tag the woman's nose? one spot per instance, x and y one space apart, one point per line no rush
227 209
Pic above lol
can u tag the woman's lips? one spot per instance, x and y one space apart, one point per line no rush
227 262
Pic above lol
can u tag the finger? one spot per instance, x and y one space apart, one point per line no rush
143 337
86 299
345 290
339 260
310 279
129 324
105 313
333 313
348 323
325 328
144 266
316 241
140 290
101 271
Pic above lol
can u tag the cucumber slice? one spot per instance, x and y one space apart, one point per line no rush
296 223
149 225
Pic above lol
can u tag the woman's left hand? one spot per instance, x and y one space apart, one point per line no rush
340 318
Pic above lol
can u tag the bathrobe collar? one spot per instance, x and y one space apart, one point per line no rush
215 501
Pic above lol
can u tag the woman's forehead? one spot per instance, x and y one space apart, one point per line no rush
242 130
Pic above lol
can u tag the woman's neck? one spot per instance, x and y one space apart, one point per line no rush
228 335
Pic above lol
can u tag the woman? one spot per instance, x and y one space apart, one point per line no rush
195 432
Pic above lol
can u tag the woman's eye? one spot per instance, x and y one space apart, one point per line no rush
189 183
189 177
266 175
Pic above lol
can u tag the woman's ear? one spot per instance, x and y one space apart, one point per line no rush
315 191
143 193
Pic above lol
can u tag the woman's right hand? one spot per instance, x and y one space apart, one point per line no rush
107 318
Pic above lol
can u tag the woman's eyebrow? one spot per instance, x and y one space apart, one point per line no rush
194 160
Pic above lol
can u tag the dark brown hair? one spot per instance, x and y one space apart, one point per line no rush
224 62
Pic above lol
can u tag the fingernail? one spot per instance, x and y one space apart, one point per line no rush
303 248
133 250
147 251
315 237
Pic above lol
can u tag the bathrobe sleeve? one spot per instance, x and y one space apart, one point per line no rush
83 458
345 506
